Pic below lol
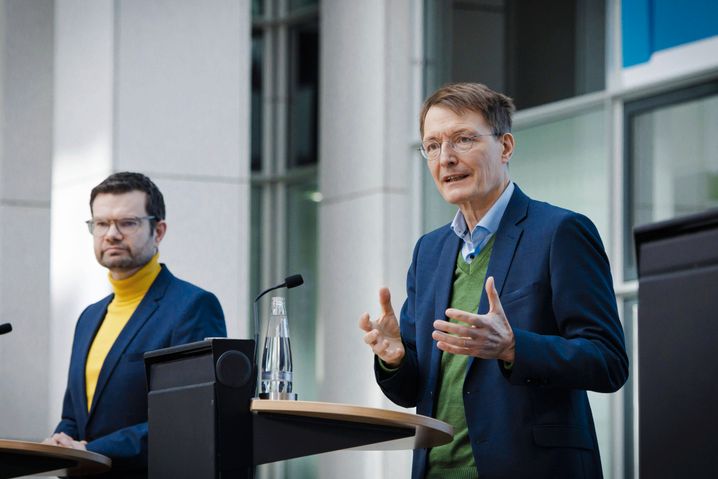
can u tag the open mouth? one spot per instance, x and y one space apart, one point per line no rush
454 178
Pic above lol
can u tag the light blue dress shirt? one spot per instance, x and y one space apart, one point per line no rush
484 229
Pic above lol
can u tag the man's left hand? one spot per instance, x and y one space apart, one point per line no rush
63 440
487 336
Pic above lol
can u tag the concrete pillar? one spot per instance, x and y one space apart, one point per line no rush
26 80
367 171
160 87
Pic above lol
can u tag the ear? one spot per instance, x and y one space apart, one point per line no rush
507 143
160 230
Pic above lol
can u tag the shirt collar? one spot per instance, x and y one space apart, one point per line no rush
489 222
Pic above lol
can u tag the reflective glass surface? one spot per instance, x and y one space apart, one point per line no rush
566 163
303 94
673 168
512 45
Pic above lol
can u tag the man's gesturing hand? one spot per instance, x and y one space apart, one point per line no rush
383 334
487 336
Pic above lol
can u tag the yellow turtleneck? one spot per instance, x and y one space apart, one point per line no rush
128 294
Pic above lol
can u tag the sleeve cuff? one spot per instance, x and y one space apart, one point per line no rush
385 368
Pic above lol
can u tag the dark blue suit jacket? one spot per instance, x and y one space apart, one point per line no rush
554 281
172 312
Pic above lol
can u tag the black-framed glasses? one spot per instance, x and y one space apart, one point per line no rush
126 226
431 150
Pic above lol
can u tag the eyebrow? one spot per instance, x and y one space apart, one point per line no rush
461 131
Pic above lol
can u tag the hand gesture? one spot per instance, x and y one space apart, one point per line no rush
383 334
487 336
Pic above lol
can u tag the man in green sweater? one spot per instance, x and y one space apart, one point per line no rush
510 313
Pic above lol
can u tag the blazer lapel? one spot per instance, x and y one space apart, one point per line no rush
82 345
142 314
507 239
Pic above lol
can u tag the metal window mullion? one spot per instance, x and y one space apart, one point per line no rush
420 61
281 142
268 152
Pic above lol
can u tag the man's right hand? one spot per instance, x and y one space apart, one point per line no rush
383 334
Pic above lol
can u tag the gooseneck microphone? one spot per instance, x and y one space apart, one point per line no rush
289 282
7 327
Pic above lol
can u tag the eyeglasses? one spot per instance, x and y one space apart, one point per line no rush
126 226
460 144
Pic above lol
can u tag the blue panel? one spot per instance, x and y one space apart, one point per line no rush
636 30
683 21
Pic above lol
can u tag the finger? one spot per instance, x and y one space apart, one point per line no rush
385 301
459 341
381 347
493 295
452 328
464 317
452 348
365 322
63 440
371 337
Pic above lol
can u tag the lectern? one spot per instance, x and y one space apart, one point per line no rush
677 332
204 422
22 458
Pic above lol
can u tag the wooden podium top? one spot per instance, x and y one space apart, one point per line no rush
428 432
23 458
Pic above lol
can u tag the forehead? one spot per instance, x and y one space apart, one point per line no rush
117 205
440 121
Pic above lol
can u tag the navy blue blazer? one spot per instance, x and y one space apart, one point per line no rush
554 281
172 312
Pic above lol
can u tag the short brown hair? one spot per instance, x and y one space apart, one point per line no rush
495 107
125 182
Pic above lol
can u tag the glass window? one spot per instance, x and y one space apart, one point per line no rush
536 52
285 92
302 214
672 162
257 8
566 162
630 319
304 94
299 4
257 92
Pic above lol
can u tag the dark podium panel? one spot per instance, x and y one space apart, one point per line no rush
204 421
198 409
23 458
677 343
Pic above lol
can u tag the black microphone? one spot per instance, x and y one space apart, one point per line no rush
289 282
7 327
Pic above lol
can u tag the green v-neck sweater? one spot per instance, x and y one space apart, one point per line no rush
455 460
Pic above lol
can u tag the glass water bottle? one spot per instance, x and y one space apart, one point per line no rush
276 371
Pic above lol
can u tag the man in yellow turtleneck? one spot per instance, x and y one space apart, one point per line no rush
105 405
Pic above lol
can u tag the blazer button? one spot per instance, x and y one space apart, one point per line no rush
529 381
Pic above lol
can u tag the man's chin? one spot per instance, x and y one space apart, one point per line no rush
118 264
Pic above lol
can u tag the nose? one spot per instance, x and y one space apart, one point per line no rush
113 231
446 155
